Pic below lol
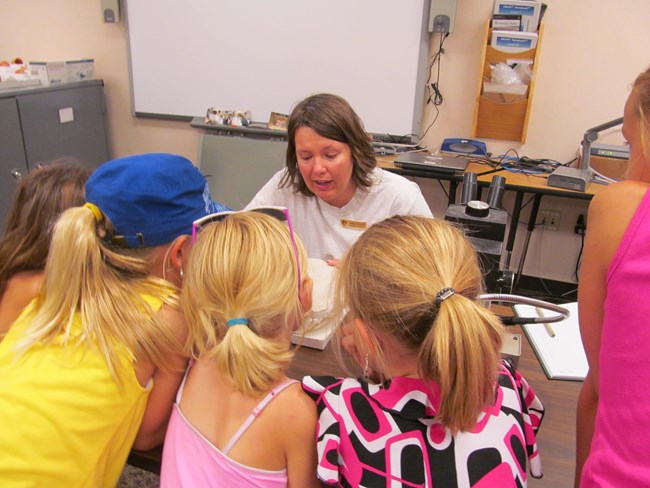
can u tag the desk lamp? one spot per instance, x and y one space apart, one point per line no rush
561 313
577 178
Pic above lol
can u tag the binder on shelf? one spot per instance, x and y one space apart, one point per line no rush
528 9
506 22
513 42
561 355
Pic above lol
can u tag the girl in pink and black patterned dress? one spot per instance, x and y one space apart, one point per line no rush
437 407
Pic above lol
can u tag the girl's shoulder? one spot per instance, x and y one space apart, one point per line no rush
612 210
622 193
314 386
294 409
21 288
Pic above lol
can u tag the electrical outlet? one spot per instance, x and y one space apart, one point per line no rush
549 219
580 227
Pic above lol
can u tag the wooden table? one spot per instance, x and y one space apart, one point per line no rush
520 183
556 437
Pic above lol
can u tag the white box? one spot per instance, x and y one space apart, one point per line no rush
528 9
49 72
513 42
16 76
80 69
316 338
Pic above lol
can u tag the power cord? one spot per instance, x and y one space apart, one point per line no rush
434 95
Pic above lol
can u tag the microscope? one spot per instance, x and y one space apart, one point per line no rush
485 225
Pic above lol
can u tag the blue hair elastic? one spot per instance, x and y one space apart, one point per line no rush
237 321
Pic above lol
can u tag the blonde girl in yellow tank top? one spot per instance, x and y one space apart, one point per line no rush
91 367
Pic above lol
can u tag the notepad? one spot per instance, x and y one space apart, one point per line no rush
562 357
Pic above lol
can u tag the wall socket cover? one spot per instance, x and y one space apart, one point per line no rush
437 13
110 11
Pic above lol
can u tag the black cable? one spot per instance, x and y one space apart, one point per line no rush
570 162
444 190
576 273
494 170
436 56
433 122
548 295
437 97
434 96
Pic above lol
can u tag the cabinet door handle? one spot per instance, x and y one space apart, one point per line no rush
16 174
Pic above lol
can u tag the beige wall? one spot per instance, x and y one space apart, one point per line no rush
591 52
73 29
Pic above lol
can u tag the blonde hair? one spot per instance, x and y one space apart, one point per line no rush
244 267
105 286
390 278
641 100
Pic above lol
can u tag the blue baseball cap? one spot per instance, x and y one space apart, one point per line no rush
150 199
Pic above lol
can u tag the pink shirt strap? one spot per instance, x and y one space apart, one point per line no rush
256 411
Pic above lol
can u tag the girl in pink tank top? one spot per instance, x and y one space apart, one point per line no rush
238 420
614 404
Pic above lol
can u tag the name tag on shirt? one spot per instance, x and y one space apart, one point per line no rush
353 224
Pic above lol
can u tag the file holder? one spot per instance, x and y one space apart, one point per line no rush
504 120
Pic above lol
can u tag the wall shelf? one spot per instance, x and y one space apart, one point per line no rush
503 119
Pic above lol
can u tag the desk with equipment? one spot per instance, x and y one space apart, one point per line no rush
520 183
557 434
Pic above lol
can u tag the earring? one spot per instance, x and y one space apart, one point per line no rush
366 368
180 272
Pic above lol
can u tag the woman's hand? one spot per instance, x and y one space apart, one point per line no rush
348 341
331 261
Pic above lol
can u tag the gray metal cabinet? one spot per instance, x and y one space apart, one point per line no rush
39 124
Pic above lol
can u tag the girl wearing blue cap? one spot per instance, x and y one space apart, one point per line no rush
91 366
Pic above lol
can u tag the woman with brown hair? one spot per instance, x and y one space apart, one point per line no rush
331 184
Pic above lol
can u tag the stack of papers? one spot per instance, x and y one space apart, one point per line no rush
320 323
562 356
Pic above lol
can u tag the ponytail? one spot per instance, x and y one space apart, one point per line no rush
253 363
244 266
106 288
461 354
413 281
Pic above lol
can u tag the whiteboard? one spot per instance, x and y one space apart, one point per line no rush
266 55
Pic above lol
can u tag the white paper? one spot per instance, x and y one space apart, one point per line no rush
562 356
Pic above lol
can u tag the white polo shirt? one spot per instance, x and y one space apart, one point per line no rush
328 232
